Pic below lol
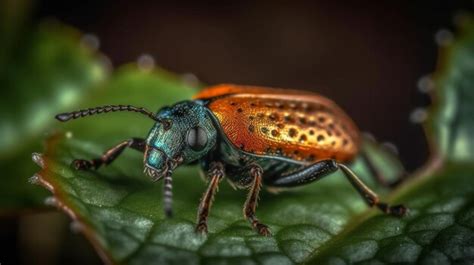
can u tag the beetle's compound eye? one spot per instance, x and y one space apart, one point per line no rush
196 138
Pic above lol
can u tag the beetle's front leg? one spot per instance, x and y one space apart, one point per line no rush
215 173
250 205
110 155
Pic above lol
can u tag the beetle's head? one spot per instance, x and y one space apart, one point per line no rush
184 133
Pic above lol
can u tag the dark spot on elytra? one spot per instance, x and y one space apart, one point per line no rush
273 116
275 133
281 125
329 132
251 117
240 110
311 132
293 132
345 142
296 152
252 104
338 133
232 103
251 128
333 143
320 138
302 120
289 118
264 130
321 119
303 138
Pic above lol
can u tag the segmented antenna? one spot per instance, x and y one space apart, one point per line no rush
104 109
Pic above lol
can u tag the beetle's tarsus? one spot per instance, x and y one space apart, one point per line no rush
251 203
263 230
201 228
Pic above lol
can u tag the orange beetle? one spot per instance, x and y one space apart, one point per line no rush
252 136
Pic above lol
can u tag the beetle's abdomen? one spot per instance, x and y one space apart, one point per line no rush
295 125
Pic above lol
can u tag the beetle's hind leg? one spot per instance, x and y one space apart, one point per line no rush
369 196
323 168
250 205
110 155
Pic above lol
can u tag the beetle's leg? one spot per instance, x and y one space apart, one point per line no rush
369 196
215 173
305 175
378 176
324 168
251 203
110 155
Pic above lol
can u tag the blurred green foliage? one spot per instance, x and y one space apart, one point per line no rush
43 70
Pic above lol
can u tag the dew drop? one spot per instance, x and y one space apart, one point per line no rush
190 79
425 84
370 137
51 201
76 227
444 37
90 41
146 62
390 147
418 115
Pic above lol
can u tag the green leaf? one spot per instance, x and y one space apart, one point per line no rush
120 208
45 70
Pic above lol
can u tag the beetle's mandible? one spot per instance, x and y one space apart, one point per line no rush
253 136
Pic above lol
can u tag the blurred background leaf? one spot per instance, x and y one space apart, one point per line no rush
43 69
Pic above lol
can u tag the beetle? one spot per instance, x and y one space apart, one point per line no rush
251 135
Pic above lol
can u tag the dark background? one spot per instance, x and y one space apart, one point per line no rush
366 55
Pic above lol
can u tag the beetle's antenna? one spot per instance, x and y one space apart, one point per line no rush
104 109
